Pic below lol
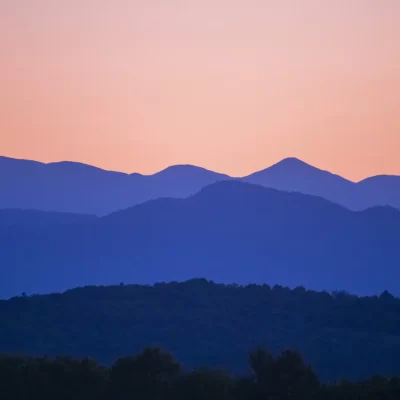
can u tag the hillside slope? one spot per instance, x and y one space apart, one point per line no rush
228 232
204 324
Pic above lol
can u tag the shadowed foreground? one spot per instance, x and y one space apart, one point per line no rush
154 374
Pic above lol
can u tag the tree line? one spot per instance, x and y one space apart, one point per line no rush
204 323
154 374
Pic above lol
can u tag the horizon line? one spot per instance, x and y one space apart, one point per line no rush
285 159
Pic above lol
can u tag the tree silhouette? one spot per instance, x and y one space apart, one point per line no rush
155 375
205 384
149 375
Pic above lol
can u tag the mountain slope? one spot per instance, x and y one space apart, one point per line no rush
79 188
228 232
381 189
16 219
295 175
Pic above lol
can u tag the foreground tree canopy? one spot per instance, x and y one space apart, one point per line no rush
155 374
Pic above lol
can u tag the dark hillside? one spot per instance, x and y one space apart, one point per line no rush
207 324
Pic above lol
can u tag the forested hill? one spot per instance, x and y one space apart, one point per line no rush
202 323
227 232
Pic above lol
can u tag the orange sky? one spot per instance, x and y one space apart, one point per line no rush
230 85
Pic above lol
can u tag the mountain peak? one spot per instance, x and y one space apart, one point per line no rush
292 162
288 167
180 170
182 167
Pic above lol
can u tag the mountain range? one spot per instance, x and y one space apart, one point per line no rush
228 232
79 188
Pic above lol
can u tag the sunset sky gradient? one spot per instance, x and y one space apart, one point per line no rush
230 85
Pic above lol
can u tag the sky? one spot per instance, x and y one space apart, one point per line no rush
229 85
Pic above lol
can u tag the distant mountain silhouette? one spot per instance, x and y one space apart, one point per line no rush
79 188
295 175
228 232
381 189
